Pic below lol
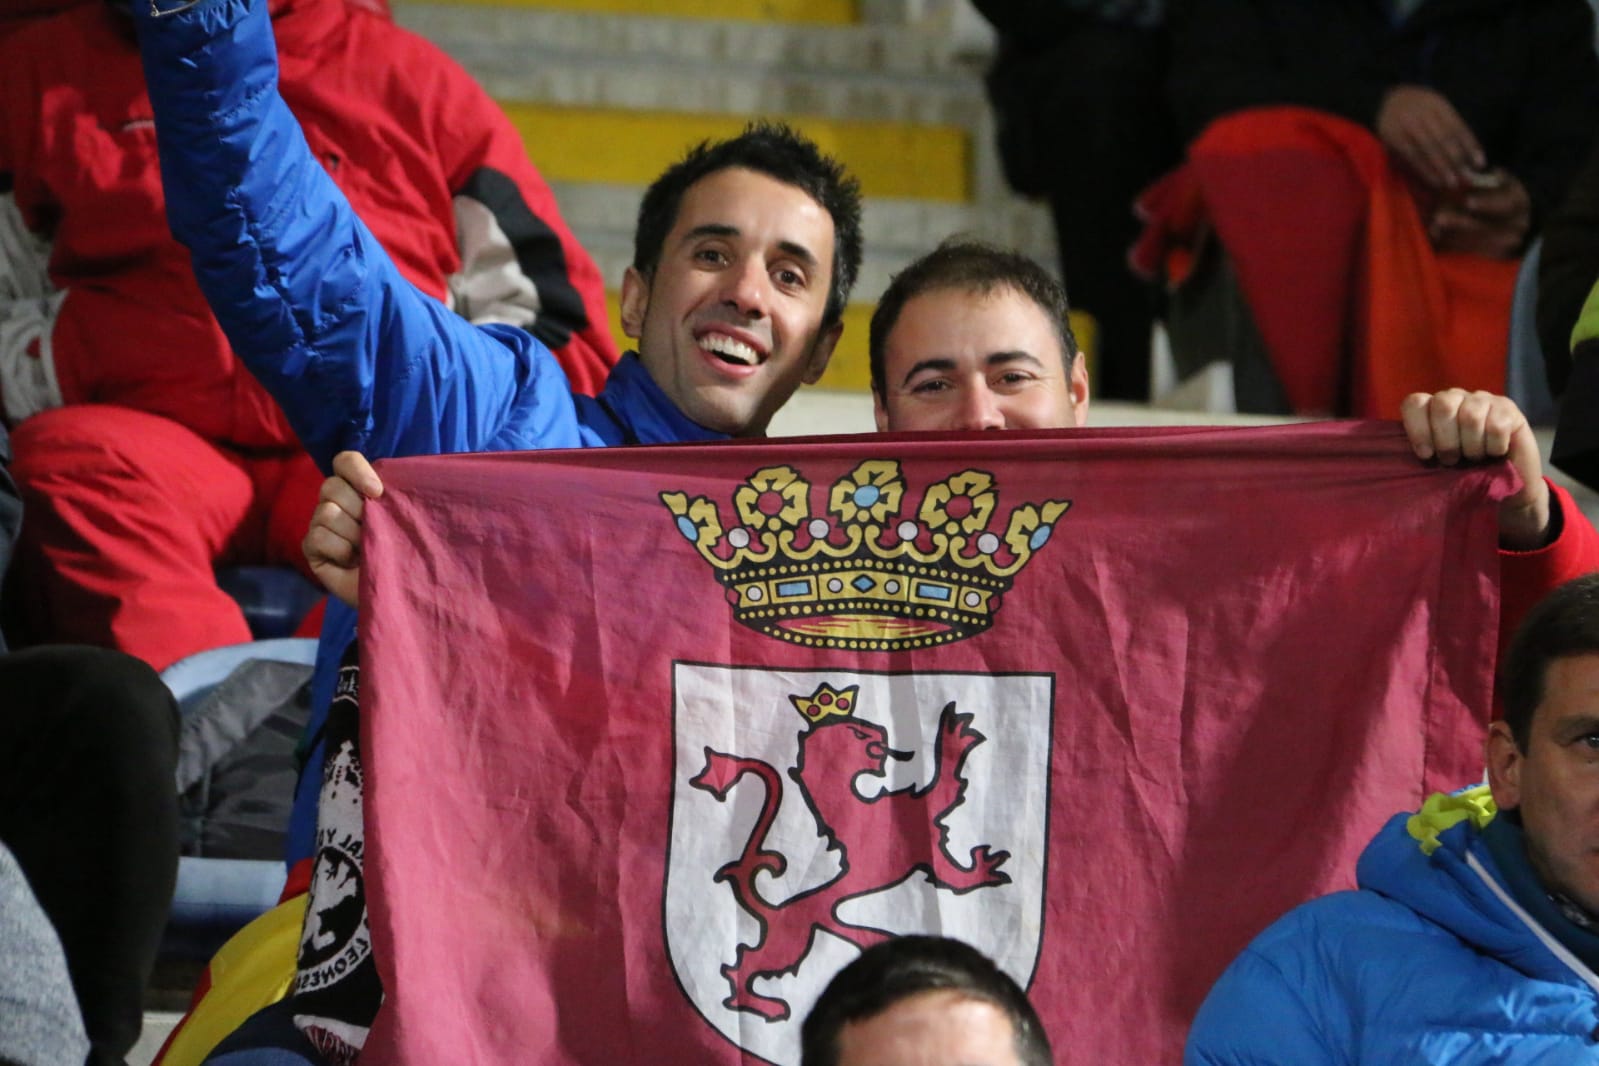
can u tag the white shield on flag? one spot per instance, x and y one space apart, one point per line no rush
815 812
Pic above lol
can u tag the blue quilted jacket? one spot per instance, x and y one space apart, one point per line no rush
357 357
1431 961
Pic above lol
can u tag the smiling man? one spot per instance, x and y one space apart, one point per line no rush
734 308
1474 936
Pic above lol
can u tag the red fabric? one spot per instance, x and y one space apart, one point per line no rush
1238 652
126 514
1356 309
298 881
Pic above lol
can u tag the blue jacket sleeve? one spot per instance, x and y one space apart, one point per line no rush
357 356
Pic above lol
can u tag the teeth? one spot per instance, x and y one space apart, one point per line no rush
733 350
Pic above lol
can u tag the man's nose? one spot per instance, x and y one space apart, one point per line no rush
980 409
748 288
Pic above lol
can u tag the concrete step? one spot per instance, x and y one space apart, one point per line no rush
850 75
527 36
158 1025
808 11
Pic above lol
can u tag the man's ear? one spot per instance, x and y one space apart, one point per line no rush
826 341
635 301
1078 386
1504 766
879 411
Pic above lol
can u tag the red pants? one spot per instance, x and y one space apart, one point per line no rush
127 514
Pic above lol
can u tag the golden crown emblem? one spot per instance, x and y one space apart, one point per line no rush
861 574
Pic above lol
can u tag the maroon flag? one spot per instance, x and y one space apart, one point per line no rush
659 738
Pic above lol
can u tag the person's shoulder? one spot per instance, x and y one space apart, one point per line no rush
1341 919
379 39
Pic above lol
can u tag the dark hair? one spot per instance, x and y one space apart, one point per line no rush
778 151
971 266
1563 624
906 966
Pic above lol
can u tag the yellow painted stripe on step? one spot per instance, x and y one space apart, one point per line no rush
811 12
633 147
850 368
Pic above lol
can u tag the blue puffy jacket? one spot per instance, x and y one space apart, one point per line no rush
1431 961
356 356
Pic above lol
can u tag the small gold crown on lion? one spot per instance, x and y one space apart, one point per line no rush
863 574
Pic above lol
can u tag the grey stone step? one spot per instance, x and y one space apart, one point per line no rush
867 72
894 231
158 1025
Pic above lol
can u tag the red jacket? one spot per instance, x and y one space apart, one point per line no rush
97 301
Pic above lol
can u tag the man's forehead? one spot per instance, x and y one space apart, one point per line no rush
740 200
1012 321
1570 693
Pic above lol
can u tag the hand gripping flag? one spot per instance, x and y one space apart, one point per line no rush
659 738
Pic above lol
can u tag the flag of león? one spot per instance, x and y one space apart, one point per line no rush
658 738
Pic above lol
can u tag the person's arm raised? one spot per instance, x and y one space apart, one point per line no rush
357 357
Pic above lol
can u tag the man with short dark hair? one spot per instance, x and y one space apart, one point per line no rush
972 336
720 357
923 1001
1474 935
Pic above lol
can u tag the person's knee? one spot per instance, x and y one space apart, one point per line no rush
91 440
98 699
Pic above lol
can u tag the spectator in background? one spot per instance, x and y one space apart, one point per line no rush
1080 105
1567 270
1474 936
1568 330
89 813
923 1001
146 453
1410 150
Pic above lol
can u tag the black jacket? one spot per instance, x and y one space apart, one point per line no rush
1569 268
10 510
1522 73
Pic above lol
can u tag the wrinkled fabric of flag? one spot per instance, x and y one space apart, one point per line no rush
659 738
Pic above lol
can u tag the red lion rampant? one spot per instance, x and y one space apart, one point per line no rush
881 841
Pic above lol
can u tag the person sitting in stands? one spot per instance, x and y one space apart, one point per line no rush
147 456
923 1001
1474 934
1372 172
